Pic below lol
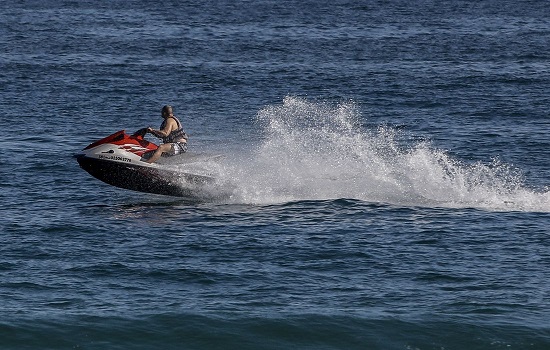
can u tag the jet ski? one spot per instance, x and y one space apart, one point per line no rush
120 160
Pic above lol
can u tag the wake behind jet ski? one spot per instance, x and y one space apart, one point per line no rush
120 160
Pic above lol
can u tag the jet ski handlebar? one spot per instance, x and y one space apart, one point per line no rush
140 133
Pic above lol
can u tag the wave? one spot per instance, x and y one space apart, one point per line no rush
223 331
316 150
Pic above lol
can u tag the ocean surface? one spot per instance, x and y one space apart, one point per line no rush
383 179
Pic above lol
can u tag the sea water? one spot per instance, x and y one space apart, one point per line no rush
382 175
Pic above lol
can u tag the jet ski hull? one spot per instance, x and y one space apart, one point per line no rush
142 179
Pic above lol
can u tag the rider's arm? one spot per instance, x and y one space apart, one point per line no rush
164 132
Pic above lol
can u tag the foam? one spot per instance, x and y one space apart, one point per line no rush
315 150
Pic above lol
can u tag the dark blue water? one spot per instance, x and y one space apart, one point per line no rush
384 181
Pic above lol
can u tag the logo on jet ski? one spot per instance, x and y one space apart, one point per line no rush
118 158
137 150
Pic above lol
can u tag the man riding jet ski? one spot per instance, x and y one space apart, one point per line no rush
130 161
171 132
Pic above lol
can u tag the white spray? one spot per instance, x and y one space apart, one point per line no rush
313 150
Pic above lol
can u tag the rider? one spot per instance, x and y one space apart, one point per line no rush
174 139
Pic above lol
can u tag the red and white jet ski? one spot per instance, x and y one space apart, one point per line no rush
119 160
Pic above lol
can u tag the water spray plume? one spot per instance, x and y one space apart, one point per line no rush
315 150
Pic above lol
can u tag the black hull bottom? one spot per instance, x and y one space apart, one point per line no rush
142 178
